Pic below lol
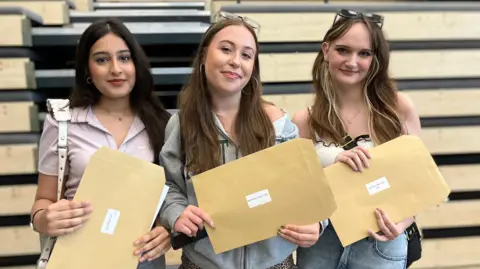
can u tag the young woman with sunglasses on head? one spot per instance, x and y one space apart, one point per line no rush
113 105
223 117
355 97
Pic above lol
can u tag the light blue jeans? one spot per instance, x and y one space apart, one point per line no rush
158 263
328 253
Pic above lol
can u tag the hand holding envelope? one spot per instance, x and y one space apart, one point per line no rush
249 199
127 194
402 179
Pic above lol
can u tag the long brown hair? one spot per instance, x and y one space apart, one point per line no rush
379 90
254 130
142 98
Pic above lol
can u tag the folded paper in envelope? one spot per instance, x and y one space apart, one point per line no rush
250 198
126 194
402 179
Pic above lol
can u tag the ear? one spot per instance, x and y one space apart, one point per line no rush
325 49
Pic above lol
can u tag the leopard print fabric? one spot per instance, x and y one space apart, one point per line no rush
286 264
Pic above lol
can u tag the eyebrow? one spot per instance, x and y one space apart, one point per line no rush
347 47
104 52
231 43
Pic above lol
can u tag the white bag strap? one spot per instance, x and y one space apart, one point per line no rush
60 111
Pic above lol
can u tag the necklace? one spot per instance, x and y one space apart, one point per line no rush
350 121
119 118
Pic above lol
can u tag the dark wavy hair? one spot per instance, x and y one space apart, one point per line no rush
142 98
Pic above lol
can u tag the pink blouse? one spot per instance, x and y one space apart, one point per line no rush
85 135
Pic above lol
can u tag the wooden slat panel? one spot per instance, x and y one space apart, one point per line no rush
428 103
462 177
19 267
19 31
291 103
411 25
444 253
18 159
19 117
452 140
21 240
451 214
17 199
442 102
291 67
83 5
53 12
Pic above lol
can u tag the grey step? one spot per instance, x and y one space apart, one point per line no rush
142 15
145 33
64 78
147 5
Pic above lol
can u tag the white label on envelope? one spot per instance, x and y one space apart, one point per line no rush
110 221
258 198
378 185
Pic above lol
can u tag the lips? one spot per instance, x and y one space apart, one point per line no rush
231 75
349 72
116 82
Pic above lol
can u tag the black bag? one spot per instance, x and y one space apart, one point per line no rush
414 238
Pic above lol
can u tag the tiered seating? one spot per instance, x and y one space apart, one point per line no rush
434 59
36 62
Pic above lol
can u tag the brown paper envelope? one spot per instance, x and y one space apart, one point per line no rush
403 180
125 193
250 198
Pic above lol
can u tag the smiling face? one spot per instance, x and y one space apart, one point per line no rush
229 60
350 56
111 67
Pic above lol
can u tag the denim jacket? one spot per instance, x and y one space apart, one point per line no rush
258 255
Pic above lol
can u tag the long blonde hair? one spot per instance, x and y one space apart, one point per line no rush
379 91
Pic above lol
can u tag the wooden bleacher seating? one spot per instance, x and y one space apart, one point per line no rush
435 48
144 15
149 5
53 12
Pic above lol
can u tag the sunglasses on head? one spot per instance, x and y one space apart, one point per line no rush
222 15
350 14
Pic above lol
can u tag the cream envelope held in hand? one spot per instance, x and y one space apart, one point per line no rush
250 198
126 194
402 179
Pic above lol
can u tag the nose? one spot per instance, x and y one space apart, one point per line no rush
235 60
352 61
115 68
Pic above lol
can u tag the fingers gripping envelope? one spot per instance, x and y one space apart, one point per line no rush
250 198
402 179
126 194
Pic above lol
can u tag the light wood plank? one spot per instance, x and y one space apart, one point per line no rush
450 215
428 103
446 102
18 159
452 140
19 240
17 199
83 5
19 117
53 12
19 27
462 177
297 67
291 103
452 252
403 25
